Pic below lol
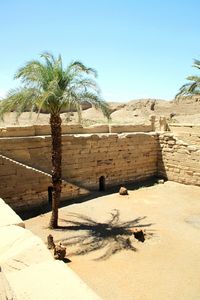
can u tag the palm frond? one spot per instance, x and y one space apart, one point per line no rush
84 84
192 87
47 85
19 100
196 64
78 66
194 78
49 59
97 102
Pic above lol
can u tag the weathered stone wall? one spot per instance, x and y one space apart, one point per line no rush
190 138
32 151
40 130
130 128
186 128
21 186
24 187
120 158
178 161
190 133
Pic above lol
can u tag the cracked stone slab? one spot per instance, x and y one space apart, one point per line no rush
51 280
20 248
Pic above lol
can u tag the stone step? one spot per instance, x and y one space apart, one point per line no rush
50 280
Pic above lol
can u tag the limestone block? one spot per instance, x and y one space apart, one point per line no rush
183 150
23 154
6 292
189 173
17 131
181 143
42 129
192 148
20 248
130 128
5 170
96 129
72 129
84 151
8 216
171 142
49 280
197 174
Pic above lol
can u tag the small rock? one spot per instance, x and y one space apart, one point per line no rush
172 114
59 252
50 242
160 181
123 191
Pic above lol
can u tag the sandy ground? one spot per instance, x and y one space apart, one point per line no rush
100 243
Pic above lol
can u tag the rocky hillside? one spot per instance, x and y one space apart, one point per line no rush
137 111
184 110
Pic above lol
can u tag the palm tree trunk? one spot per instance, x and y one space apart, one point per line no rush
55 123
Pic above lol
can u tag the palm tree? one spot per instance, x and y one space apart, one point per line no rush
47 85
193 86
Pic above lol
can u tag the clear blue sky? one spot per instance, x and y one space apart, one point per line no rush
141 49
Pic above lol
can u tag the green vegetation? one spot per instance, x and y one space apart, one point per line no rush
193 86
48 86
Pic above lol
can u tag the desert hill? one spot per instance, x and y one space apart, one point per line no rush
183 110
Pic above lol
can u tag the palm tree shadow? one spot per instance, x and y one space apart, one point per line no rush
112 236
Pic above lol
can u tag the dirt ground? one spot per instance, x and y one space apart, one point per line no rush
102 248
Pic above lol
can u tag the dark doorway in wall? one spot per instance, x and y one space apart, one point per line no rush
102 183
50 189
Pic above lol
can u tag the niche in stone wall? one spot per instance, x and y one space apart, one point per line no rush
50 190
102 183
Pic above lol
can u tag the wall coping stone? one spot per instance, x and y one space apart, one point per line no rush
39 130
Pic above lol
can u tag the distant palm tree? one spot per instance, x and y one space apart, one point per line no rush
47 85
193 86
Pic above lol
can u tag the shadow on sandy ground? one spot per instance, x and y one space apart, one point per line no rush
111 236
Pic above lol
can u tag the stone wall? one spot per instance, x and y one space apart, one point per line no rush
190 133
119 158
178 161
186 128
21 186
32 151
24 187
190 138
